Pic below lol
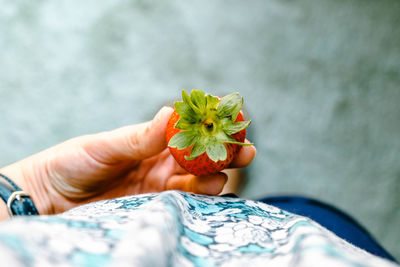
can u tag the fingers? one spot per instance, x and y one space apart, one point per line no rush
245 156
208 185
134 142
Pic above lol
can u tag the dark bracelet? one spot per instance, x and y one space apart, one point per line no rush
18 202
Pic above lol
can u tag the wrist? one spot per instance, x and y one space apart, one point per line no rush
30 181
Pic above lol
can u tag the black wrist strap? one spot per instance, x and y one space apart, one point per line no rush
18 202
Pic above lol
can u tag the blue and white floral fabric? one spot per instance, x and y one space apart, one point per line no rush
175 229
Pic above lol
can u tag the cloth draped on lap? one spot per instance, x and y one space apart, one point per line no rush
176 229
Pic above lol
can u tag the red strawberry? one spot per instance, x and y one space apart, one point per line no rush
205 132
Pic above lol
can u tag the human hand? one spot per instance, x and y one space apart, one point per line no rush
129 160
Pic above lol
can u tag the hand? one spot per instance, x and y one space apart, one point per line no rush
130 160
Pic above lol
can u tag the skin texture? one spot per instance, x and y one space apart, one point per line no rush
203 165
129 160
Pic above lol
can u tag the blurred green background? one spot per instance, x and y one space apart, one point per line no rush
320 78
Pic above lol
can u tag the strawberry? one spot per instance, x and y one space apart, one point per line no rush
205 132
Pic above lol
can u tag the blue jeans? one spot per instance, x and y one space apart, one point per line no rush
335 220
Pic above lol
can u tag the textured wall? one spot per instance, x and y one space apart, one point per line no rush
321 81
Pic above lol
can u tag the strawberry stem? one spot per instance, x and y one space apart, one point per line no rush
207 123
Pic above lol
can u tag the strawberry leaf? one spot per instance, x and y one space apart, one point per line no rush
188 101
183 124
216 151
230 106
230 127
198 98
198 149
224 138
183 139
185 112
212 102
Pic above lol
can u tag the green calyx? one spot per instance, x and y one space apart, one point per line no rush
207 123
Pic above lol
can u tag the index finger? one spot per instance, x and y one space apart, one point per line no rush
244 157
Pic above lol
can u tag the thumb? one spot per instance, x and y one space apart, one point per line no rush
134 142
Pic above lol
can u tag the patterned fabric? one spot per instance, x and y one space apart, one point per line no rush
175 229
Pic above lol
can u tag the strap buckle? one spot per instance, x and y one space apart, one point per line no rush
16 195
